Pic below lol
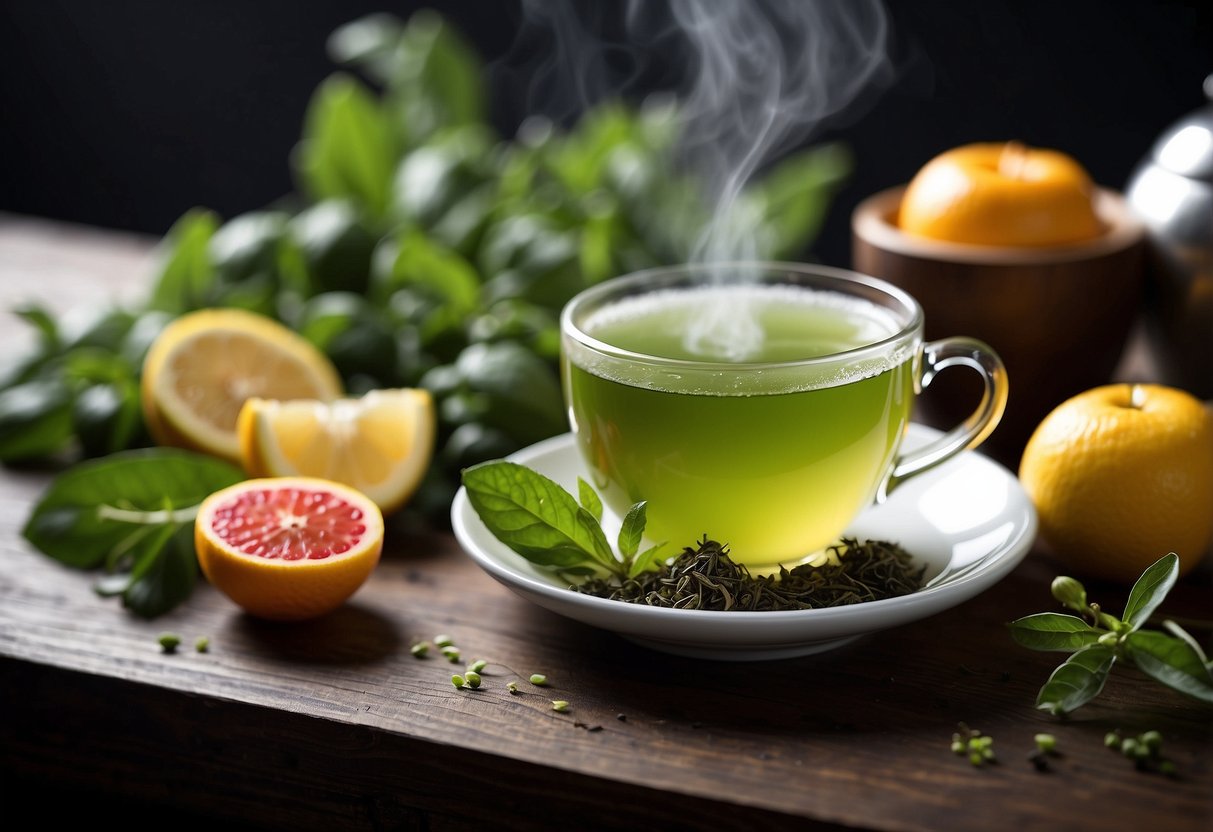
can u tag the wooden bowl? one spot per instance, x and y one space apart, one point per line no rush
1059 316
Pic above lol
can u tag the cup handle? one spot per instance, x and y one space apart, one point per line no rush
937 356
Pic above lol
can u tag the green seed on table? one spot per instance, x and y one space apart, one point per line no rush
1046 742
202 644
1151 740
458 681
512 687
420 649
478 665
539 679
169 642
560 705
443 640
472 678
1111 739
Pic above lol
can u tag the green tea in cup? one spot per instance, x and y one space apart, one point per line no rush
761 405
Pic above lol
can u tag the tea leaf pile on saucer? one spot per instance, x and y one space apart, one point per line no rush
539 520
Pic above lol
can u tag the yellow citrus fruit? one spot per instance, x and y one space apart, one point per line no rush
1121 475
203 365
380 444
1001 194
288 548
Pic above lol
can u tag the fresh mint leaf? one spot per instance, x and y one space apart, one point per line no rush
589 499
95 507
536 517
1171 661
1150 589
1077 681
1054 631
632 530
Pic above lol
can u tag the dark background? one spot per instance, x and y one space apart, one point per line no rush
126 114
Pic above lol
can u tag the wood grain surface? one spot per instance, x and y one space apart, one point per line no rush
333 724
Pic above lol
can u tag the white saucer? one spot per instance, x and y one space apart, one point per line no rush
968 521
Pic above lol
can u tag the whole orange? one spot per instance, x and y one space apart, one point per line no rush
1121 475
1001 194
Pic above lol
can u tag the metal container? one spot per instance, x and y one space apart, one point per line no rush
1172 192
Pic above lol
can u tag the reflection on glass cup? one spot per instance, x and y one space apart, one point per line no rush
762 405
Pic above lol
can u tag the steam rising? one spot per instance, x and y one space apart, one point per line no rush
754 80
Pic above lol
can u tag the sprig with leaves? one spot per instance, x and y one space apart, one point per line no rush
1097 640
541 521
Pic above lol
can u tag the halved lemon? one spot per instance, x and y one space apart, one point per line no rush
202 367
288 548
381 444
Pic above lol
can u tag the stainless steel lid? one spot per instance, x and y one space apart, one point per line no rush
1186 148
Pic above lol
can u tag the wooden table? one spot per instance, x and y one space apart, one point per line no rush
333 724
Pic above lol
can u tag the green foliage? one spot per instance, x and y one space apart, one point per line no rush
131 513
1173 658
543 523
419 249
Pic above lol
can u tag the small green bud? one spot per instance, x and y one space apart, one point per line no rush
478 665
169 642
1151 740
1069 592
1109 639
1111 739
202 644
472 678
538 679
1046 742
1128 747
560 705
458 681
443 640
420 649
452 654
958 747
512 687
976 758
987 753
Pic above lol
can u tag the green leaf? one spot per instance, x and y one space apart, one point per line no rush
42 320
1179 632
184 273
632 530
647 560
347 149
535 517
1171 661
166 576
521 391
1151 589
1077 681
426 267
589 499
437 79
35 419
1053 631
73 521
369 43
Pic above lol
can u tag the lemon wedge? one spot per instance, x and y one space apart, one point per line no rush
380 444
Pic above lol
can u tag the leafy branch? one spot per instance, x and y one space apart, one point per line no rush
545 524
131 514
1097 640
